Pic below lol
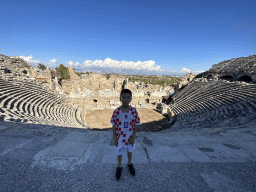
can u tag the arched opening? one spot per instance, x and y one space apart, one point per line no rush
24 71
7 71
209 77
198 76
227 78
188 79
172 100
147 100
95 101
245 78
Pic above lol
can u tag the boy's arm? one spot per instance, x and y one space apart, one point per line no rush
134 131
114 132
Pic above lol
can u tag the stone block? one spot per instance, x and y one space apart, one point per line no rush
68 149
163 110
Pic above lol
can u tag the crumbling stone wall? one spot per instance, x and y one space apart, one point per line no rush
96 91
236 69
184 81
13 66
72 74
41 75
93 81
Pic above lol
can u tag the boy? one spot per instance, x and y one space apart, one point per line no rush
124 121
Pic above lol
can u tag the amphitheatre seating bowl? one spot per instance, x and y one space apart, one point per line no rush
214 101
27 102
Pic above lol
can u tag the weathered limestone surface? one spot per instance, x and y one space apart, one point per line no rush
15 67
98 92
223 96
93 91
184 81
25 99
236 69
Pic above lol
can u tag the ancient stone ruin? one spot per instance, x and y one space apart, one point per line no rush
78 94
237 69
24 97
224 96
95 91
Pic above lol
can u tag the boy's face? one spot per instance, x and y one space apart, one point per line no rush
125 99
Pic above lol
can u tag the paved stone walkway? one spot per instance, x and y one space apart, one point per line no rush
48 158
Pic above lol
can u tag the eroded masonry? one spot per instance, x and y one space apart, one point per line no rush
224 96
93 91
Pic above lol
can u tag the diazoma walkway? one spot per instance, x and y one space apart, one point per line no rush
36 157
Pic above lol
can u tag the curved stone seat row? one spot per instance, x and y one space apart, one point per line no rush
214 102
210 93
217 115
79 115
224 109
17 95
41 114
28 102
199 99
24 110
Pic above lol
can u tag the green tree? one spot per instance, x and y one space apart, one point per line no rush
107 76
63 71
88 73
41 66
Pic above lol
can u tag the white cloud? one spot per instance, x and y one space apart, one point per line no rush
113 66
53 63
126 67
71 63
109 63
185 70
30 60
182 72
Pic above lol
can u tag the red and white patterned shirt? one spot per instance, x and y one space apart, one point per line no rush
124 123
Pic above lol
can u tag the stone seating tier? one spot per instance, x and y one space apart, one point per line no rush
191 101
219 102
23 109
35 105
225 105
211 92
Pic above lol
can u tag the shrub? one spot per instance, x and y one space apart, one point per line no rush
41 66
63 71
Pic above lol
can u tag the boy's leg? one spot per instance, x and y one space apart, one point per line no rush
129 157
119 158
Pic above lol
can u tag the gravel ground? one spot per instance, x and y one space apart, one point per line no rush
16 175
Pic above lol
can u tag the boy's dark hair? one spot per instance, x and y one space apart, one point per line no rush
126 91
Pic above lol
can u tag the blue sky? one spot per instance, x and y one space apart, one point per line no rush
154 37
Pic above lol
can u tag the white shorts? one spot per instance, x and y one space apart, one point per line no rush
130 148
